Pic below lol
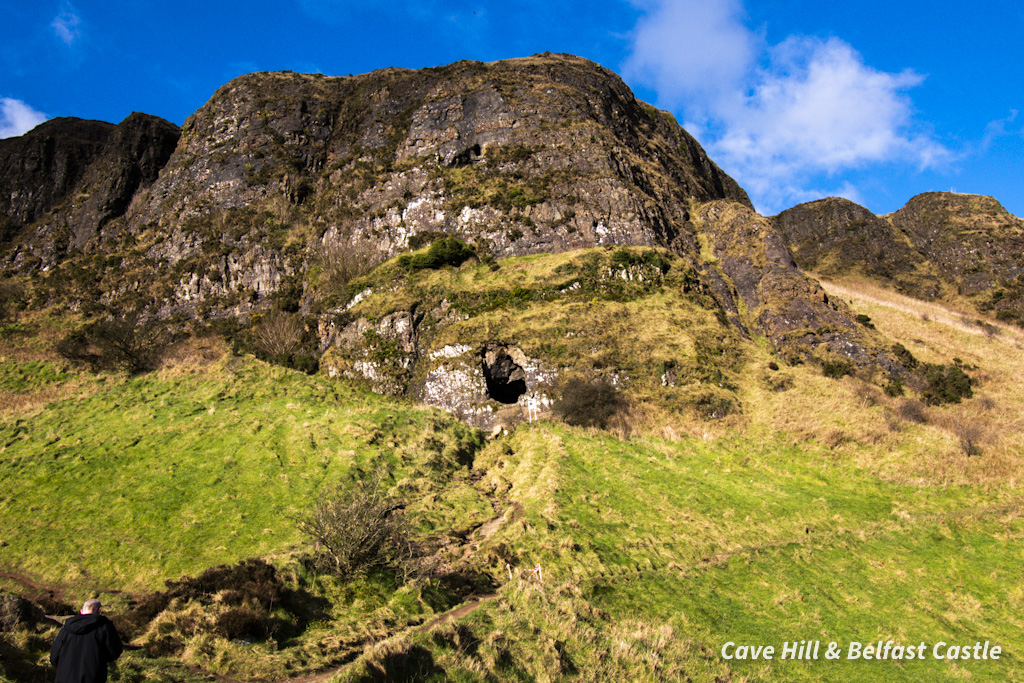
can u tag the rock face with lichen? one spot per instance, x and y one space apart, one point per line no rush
285 187
64 181
542 154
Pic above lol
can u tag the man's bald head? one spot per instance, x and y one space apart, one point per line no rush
91 607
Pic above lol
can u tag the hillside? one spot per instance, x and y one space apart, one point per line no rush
824 510
486 372
283 181
962 249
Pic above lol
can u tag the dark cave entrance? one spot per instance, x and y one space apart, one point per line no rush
506 381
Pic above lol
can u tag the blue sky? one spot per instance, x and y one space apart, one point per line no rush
796 99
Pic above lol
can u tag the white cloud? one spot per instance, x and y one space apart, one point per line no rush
1001 128
17 118
688 48
67 24
776 117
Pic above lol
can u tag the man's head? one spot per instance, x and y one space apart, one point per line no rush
91 607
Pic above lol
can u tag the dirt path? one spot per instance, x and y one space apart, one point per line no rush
32 589
938 312
462 610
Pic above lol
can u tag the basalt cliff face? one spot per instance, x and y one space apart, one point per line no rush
62 182
272 189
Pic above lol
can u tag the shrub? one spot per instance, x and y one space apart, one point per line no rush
904 356
894 387
274 336
865 321
303 362
357 528
624 258
117 343
344 261
968 433
278 334
912 410
448 251
422 239
836 369
946 384
587 404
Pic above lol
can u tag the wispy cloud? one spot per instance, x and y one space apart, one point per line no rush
17 118
67 25
777 117
1002 128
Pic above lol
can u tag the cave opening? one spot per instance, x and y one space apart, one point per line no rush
506 381
466 156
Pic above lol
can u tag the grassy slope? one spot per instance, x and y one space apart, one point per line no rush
816 515
137 480
755 542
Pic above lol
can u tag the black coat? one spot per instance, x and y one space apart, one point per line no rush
83 647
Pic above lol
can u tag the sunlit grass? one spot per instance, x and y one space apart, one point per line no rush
817 511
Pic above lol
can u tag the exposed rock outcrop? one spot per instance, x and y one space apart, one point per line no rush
71 177
941 245
282 178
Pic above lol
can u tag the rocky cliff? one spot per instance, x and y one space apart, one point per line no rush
284 188
963 249
68 178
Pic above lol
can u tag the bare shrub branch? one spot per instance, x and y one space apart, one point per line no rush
117 343
912 410
278 333
343 261
358 527
968 431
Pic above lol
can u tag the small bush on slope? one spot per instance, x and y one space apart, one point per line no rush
358 527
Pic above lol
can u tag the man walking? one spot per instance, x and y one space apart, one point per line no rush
84 647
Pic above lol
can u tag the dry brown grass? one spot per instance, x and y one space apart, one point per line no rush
897 438
930 445
872 295
28 403
644 419
192 356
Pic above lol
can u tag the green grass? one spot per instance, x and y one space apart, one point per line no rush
149 478
686 546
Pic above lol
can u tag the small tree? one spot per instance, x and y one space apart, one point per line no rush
117 343
358 527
